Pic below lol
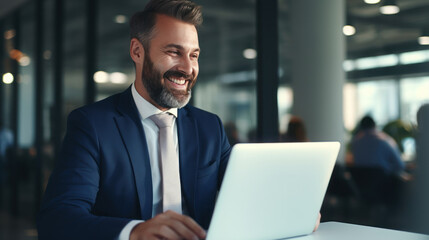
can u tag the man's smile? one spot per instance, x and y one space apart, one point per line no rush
177 80
176 83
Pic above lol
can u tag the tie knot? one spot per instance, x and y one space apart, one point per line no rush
162 120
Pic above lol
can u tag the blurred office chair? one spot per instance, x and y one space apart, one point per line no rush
340 195
373 184
341 183
376 194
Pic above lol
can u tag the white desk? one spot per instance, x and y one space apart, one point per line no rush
344 231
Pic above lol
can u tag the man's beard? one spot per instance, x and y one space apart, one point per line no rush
159 93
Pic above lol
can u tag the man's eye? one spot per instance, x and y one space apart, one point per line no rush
174 52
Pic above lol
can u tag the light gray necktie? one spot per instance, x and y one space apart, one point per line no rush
171 191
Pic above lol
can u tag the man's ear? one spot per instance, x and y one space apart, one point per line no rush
136 51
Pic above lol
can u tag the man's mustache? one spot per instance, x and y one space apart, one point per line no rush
177 74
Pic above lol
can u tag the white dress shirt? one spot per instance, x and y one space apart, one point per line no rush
146 110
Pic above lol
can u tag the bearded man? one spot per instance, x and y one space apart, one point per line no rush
111 181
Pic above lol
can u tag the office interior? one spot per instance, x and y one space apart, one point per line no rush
262 62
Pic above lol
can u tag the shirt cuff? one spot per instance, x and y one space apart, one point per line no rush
126 231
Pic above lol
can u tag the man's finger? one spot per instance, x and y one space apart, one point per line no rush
189 224
182 230
317 222
166 232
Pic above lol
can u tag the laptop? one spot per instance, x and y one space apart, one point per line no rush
272 190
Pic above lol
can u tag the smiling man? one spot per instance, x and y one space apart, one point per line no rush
169 63
124 173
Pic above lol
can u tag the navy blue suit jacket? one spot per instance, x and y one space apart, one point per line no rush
103 178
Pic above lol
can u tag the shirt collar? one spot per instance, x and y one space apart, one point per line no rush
145 108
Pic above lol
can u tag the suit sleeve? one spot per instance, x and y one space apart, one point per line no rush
66 211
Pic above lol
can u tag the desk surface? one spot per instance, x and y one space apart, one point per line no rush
345 231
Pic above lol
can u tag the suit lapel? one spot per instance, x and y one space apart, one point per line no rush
188 156
133 136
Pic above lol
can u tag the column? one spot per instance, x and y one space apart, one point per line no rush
267 74
318 49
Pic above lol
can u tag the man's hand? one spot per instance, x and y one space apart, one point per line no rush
168 225
317 222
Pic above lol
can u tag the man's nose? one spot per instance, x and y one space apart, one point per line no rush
186 66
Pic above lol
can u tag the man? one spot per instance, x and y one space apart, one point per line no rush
110 182
372 148
377 168
109 171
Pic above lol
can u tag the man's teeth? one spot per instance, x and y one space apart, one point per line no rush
176 81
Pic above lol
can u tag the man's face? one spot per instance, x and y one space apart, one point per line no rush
170 66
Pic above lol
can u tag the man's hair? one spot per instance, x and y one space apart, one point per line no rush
142 23
367 123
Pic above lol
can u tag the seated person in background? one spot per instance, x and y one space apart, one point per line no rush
295 131
373 148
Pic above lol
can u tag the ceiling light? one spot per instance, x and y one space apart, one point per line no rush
389 7
249 53
424 37
423 40
120 19
101 77
118 78
372 1
349 30
24 61
8 78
